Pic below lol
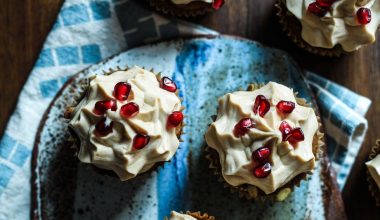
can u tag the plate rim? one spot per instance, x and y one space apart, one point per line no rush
333 202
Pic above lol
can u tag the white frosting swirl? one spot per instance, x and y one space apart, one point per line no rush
179 216
235 153
374 169
115 151
183 2
339 25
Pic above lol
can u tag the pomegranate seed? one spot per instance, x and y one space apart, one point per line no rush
285 130
175 119
102 106
317 9
286 106
243 126
168 84
122 90
216 4
364 15
326 3
263 170
261 154
295 135
140 141
103 127
129 110
261 105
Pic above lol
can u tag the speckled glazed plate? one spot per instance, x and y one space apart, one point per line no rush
204 68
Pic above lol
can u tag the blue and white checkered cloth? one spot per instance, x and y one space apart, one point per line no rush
88 31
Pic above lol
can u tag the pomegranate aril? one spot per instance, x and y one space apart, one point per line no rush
364 15
263 170
243 126
326 3
122 90
261 154
216 4
140 141
102 106
295 135
261 105
129 110
103 127
286 106
285 130
316 9
175 119
168 84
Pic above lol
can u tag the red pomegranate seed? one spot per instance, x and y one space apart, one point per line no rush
216 4
243 126
364 15
103 127
261 154
295 135
175 119
122 90
317 9
102 106
263 170
286 106
285 130
129 110
326 3
168 84
140 141
261 105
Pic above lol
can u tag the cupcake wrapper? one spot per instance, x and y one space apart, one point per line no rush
372 186
253 192
291 25
192 9
75 142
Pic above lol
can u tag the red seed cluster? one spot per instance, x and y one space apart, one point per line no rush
140 141
320 7
261 105
168 84
364 16
216 4
293 135
243 126
260 158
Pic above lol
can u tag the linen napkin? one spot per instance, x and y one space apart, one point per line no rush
87 32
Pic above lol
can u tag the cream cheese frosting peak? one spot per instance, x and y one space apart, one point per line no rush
180 216
374 169
339 26
287 160
126 145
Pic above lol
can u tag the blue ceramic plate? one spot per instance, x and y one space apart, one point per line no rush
204 69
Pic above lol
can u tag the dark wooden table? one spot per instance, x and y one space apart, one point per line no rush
24 26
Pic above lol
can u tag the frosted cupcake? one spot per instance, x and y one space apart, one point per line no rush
330 27
186 8
128 122
264 141
373 174
189 216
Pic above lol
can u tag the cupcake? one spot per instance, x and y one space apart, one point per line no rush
264 141
373 174
128 122
186 8
330 27
189 216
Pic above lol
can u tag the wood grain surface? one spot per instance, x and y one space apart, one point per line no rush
24 26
